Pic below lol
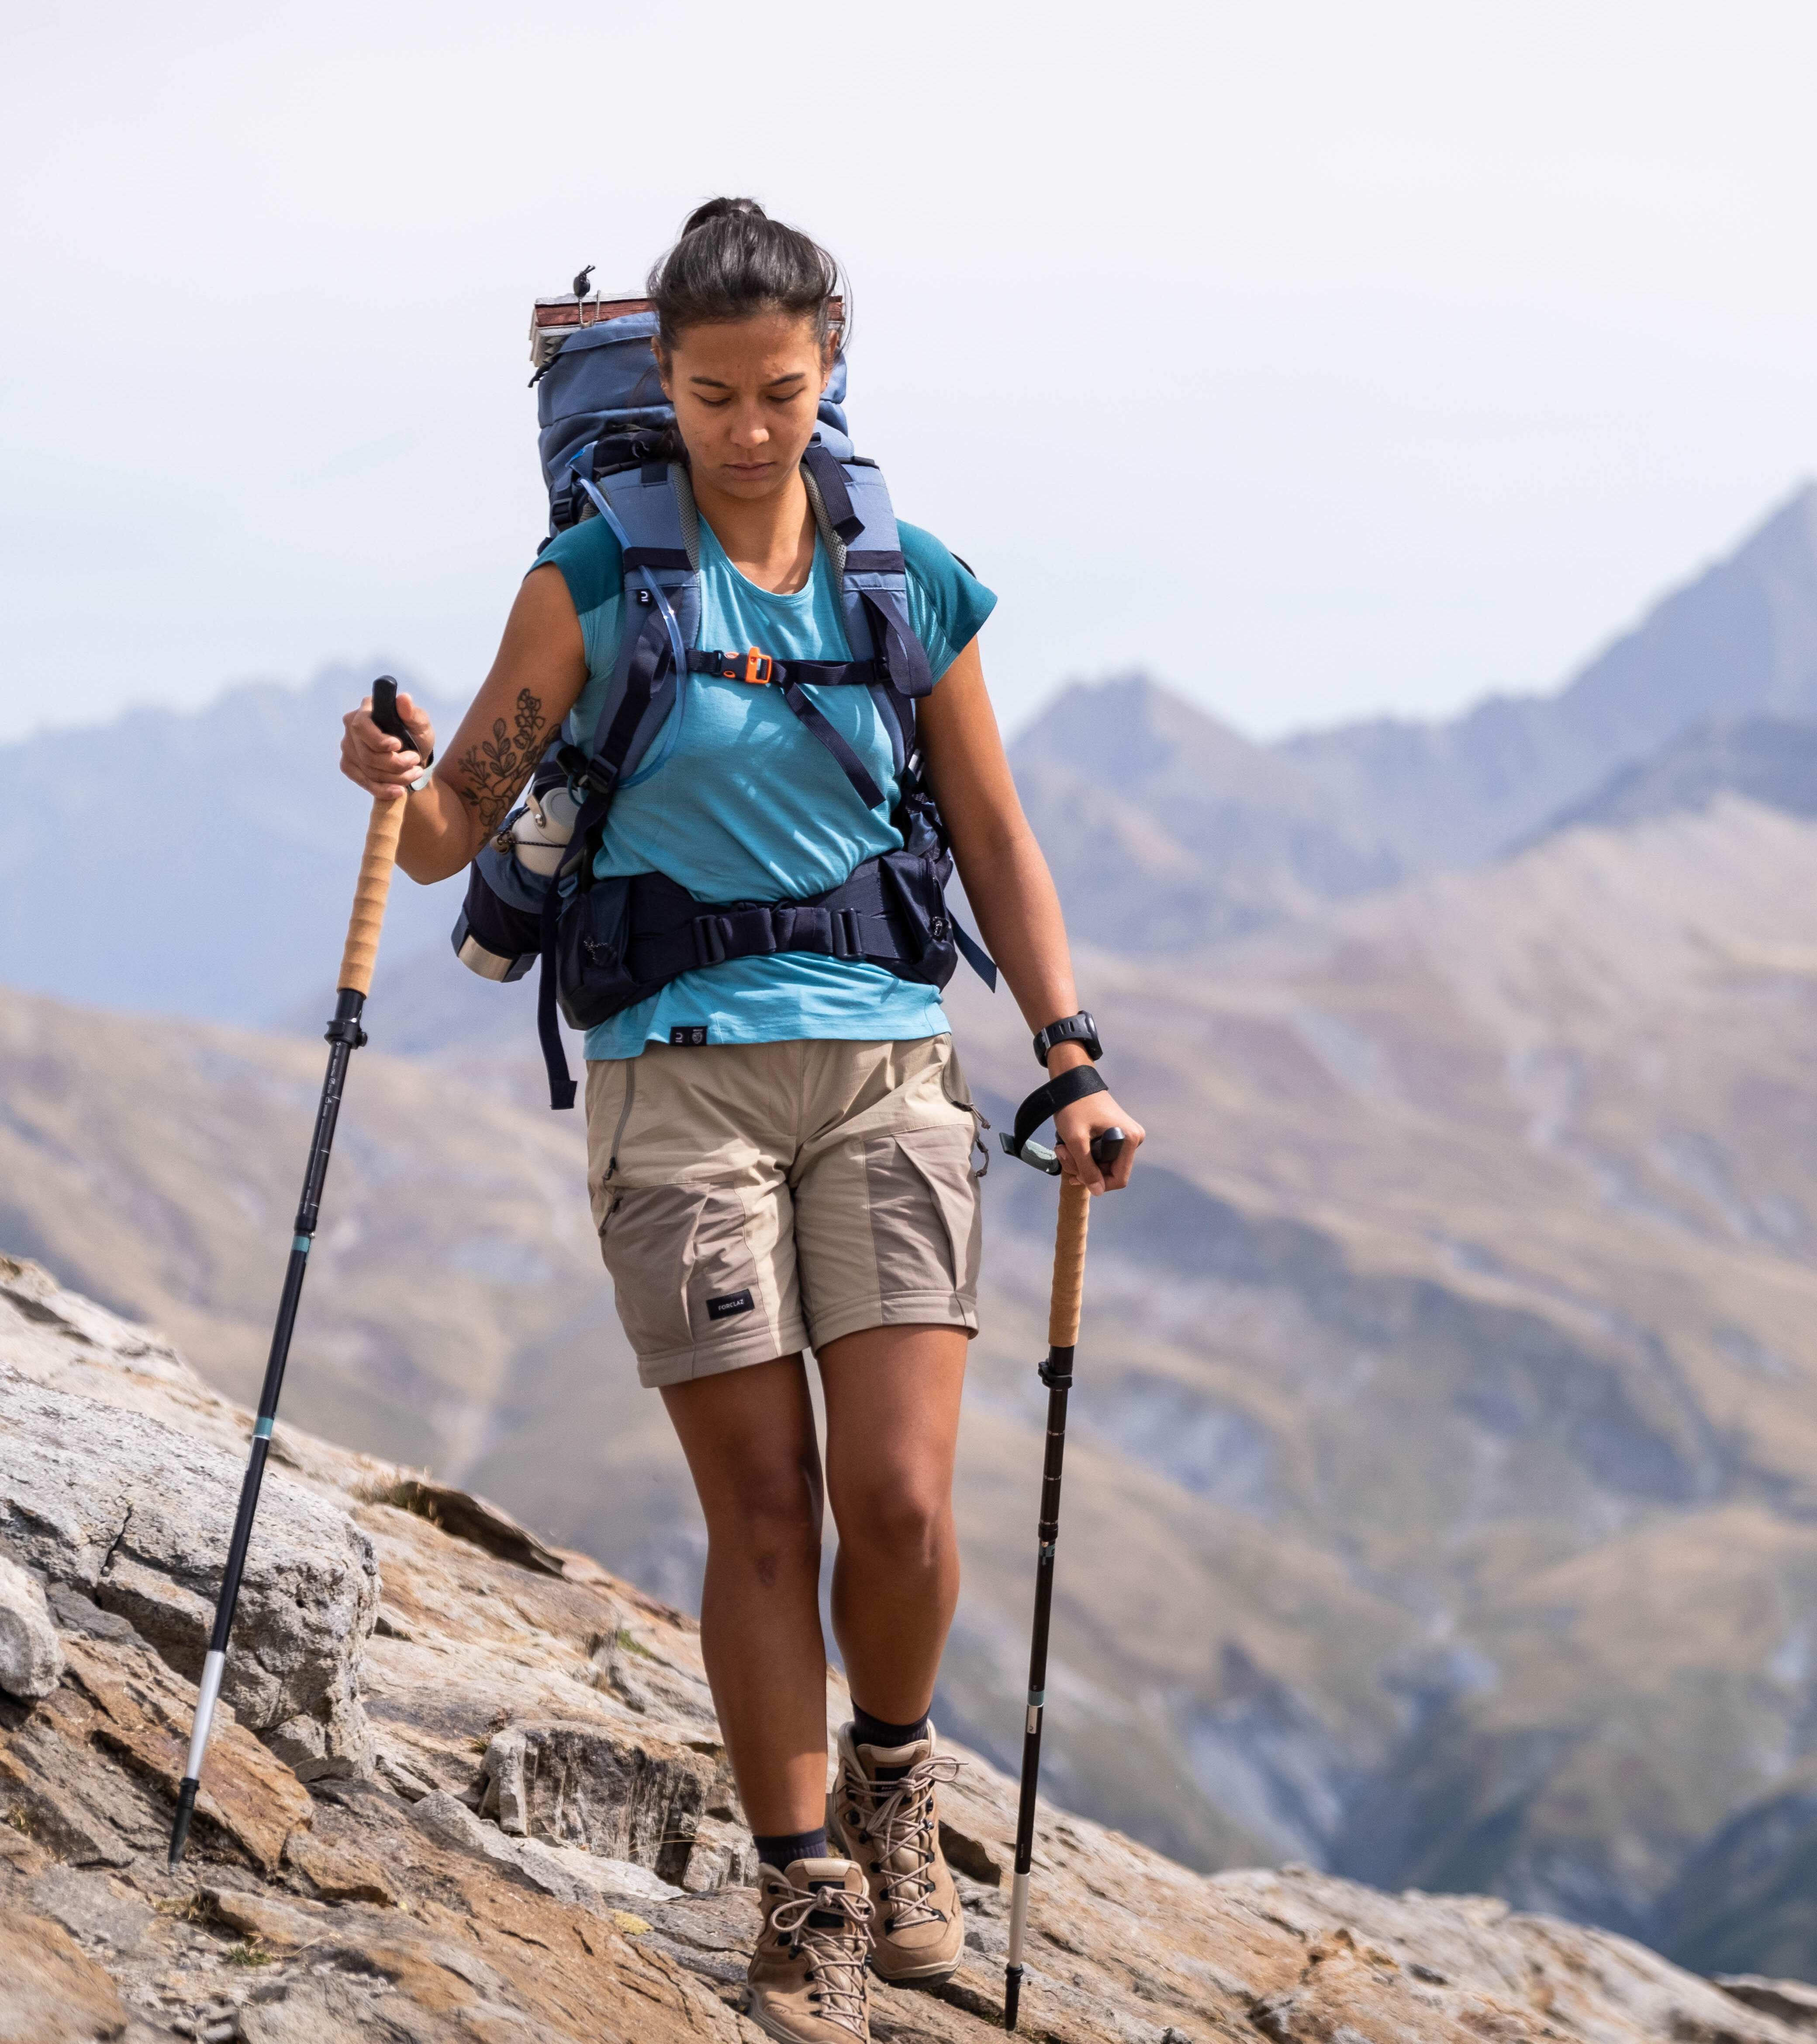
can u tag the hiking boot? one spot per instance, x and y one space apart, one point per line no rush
881 1811
807 1973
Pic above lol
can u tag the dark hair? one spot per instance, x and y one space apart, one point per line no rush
730 260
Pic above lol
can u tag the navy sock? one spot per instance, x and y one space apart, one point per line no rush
867 1731
783 1850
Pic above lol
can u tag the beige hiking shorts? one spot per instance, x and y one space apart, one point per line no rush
754 1199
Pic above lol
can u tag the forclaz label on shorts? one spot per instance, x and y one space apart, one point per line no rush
688 1036
728 1303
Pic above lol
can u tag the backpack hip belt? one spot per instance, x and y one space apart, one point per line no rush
625 940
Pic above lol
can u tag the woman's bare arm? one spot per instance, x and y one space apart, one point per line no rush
535 681
1011 892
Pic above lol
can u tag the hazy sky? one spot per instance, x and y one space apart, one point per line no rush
1322 359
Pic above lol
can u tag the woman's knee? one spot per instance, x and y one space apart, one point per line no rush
897 1521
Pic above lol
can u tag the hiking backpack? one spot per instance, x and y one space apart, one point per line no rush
606 944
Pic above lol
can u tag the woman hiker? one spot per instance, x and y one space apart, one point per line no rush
802 1162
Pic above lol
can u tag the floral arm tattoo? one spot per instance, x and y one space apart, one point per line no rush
493 772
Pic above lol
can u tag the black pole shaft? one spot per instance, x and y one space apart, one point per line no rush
345 1036
1057 1375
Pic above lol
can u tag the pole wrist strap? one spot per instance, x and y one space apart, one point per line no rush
1046 1100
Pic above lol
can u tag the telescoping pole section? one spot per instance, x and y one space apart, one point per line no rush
1056 1373
345 1036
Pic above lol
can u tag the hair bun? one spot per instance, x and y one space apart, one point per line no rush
723 209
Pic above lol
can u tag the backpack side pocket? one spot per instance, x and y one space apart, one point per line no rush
592 937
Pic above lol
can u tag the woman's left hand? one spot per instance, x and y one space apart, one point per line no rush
1077 1125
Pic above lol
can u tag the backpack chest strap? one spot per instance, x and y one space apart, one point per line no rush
793 677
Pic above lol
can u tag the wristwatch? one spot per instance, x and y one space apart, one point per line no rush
1078 1028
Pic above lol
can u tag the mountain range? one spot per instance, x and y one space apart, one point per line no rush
197 864
1441 1505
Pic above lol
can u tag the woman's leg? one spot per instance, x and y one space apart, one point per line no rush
892 1423
748 1435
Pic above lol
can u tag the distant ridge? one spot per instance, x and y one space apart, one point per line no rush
1768 759
1168 831
196 862
1740 639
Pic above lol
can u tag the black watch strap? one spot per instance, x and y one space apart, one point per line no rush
1080 1028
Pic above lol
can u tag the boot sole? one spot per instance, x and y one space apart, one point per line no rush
781 2036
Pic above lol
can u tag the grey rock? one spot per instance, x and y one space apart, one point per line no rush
639 1798
136 1515
95 1908
31 1657
569 1874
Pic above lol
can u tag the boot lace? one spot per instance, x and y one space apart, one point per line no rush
900 1819
836 1956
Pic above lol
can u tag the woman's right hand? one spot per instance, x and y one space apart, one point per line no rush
379 763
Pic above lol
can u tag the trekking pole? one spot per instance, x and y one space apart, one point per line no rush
344 1037
1056 1373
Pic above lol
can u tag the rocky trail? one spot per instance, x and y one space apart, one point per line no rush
470 1788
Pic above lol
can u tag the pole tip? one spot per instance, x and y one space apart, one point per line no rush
1012 1994
180 1829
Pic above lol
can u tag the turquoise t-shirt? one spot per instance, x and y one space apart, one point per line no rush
738 802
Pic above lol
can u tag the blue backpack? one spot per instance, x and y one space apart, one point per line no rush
605 944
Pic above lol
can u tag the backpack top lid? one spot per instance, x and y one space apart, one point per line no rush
596 376
553 321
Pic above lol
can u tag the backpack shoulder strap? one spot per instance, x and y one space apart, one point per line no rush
852 502
651 511
643 506
857 523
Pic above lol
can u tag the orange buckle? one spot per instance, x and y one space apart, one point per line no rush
758 668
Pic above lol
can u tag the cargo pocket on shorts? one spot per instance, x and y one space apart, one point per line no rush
924 1211
953 1085
681 1264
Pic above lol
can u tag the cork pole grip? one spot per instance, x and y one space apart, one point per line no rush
375 863
1068 1265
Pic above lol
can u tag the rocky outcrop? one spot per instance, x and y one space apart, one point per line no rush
547 1845
135 1515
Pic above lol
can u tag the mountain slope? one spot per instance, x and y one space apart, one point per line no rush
1166 830
1768 759
1493 1278
1439 1505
